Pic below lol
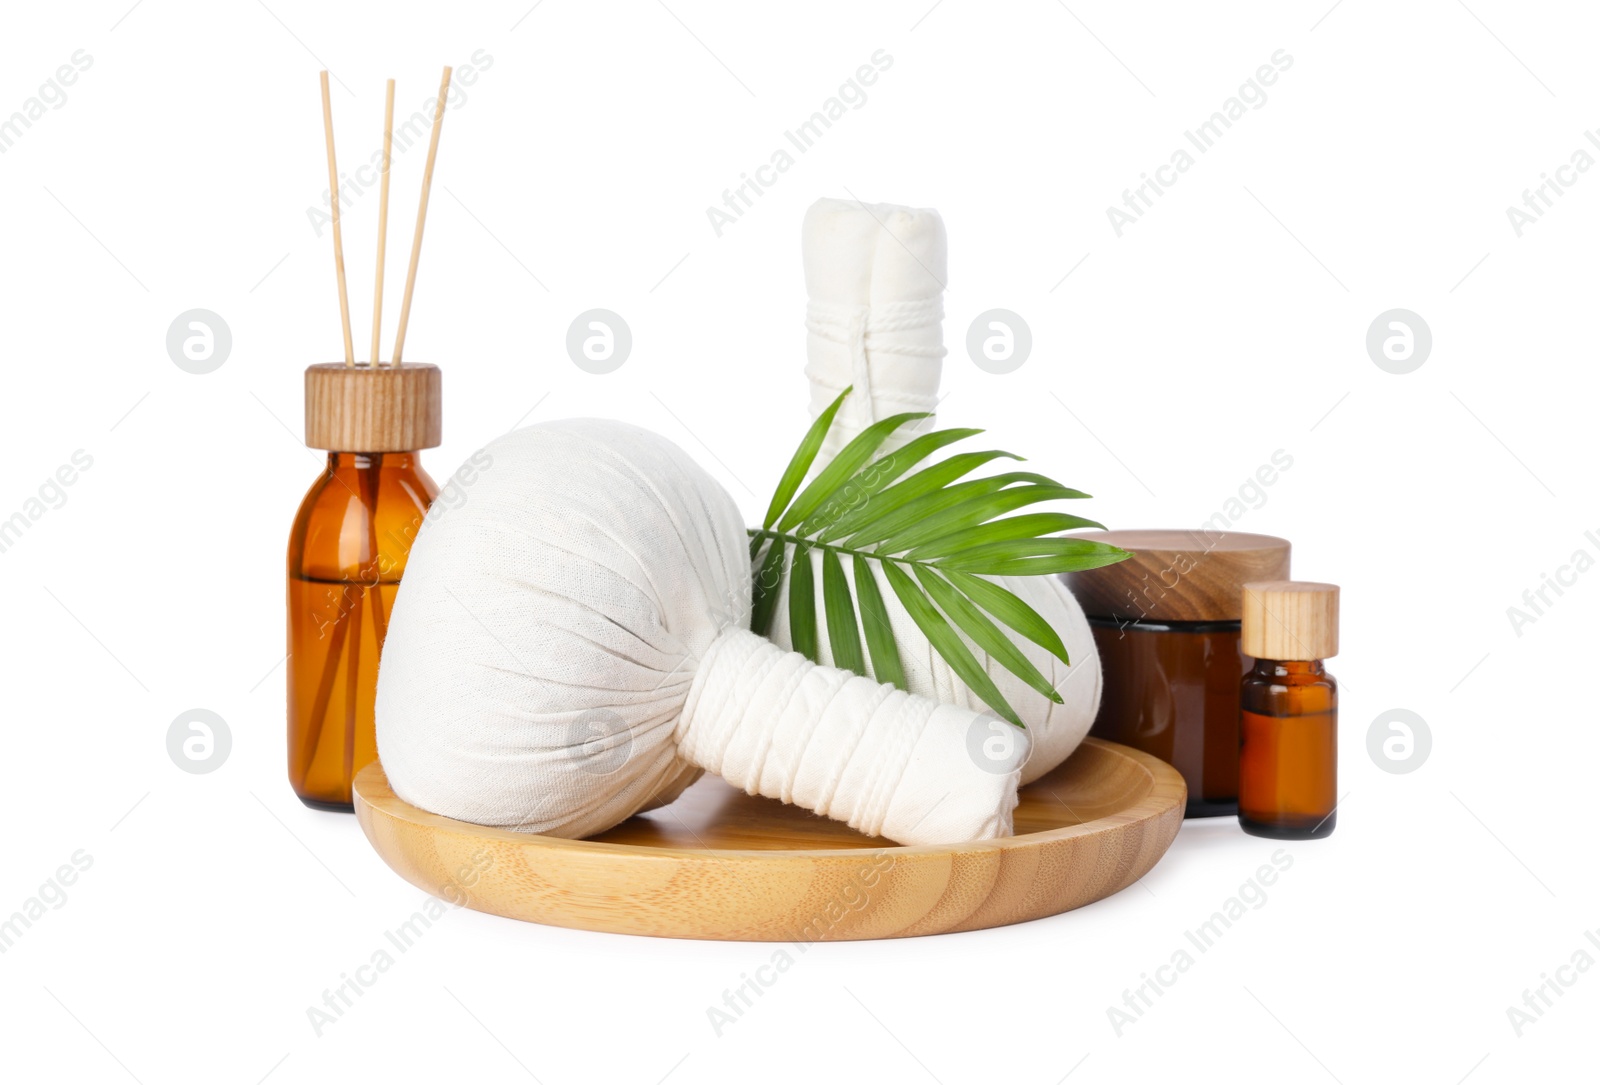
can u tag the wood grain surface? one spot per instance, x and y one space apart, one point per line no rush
1290 619
362 409
1178 576
721 864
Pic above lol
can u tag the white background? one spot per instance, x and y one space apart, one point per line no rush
1226 324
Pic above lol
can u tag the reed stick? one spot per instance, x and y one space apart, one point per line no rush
371 485
383 218
319 703
352 695
422 217
338 239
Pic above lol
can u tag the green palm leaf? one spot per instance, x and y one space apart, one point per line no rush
919 485
984 633
853 496
844 639
1050 555
947 644
1007 530
801 461
767 588
886 666
980 511
1011 610
832 477
929 509
802 604
936 539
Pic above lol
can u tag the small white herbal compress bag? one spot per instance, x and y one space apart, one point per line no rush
570 646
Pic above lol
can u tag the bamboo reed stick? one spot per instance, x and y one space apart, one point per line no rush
383 219
319 704
352 694
371 485
338 239
422 216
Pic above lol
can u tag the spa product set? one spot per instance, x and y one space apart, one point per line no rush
904 642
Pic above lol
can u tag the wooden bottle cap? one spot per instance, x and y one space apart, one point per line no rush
1290 619
362 409
1178 576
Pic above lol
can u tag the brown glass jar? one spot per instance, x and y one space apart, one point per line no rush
1289 711
347 551
1166 623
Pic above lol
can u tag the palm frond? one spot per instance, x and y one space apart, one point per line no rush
934 538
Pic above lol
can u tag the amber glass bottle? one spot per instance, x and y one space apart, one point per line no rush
1289 711
347 551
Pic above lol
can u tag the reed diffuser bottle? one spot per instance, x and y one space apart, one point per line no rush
347 552
355 527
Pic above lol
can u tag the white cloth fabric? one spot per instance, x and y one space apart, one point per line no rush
875 277
874 261
879 759
570 646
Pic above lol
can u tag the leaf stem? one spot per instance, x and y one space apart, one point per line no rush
800 540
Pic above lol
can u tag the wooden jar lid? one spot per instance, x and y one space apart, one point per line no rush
362 409
1290 619
1178 576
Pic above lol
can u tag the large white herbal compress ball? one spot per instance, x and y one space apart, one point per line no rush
570 646
875 276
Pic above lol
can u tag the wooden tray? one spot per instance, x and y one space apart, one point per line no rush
718 863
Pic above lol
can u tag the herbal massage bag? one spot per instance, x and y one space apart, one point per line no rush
876 276
570 646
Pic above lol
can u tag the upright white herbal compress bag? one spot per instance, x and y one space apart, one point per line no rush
570 646
875 276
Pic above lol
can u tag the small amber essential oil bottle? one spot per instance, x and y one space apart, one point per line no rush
1289 710
347 551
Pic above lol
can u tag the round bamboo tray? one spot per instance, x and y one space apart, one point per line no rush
721 864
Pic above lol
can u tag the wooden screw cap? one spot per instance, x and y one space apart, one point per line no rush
362 409
1178 576
1290 619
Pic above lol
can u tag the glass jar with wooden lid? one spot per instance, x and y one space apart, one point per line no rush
1166 623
